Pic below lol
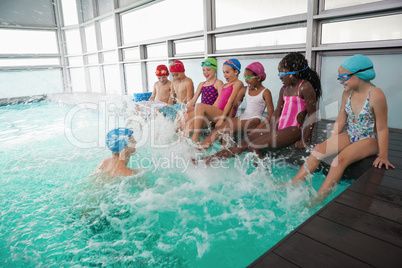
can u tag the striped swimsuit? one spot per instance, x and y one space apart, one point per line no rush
292 107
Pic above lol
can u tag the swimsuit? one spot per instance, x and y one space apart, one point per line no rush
172 110
255 106
292 107
364 126
209 94
225 95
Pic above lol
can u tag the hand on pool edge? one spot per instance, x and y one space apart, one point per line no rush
379 161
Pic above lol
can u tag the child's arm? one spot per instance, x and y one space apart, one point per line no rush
190 89
270 110
152 98
172 95
229 104
311 106
342 116
239 99
219 88
381 113
278 111
195 97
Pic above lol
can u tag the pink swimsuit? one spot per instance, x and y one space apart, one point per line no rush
292 107
224 97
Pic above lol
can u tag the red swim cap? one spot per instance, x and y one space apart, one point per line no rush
162 70
176 66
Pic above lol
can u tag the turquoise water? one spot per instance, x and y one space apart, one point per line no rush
56 211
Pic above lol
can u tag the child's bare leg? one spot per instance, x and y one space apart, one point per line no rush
329 147
352 153
203 112
225 128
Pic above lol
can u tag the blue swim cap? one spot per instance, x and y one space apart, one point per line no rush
359 62
118 138
234 63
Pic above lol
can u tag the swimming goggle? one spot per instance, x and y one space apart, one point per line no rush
249 77
207 63
283 74
162 72
232 63
345 77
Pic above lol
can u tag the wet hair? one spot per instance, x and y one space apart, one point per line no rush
295 61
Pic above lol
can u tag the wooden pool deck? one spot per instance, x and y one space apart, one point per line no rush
361 227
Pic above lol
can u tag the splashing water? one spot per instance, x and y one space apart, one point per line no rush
57 209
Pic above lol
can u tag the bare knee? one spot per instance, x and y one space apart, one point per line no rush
341 160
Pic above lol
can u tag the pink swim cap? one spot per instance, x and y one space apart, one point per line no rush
258 69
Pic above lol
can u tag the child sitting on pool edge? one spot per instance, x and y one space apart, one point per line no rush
182 90
122 144
160 94
364 108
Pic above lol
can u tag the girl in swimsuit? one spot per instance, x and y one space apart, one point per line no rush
364 108
298 98
209 91
222 108
257 98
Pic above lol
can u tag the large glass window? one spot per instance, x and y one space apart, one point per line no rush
133 78
104 6
28 42
109 57
29 62
162 19
231 12
385 79
27 13
370 29
70 14
73 41
20 83
261 39
332 4
112 79
188 46
87 9
131 53
78 83
108 32
157 51
90 37
95 79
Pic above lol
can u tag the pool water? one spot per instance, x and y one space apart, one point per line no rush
57 210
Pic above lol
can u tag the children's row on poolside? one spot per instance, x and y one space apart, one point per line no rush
364 109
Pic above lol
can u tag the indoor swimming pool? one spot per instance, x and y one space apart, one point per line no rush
57 210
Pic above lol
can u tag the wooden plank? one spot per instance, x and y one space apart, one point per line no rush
371 205
356 244
367 223
396 147
377 191
395 173
395 153
385 181
306 252
272 260
395 136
